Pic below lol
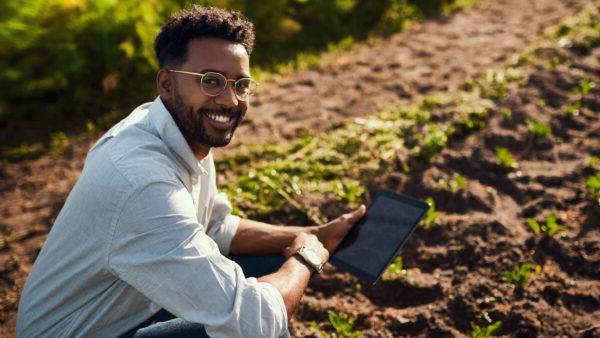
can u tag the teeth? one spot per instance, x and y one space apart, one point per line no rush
219 118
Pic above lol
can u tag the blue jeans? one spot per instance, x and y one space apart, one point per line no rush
164 324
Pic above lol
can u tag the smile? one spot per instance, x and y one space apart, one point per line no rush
219 118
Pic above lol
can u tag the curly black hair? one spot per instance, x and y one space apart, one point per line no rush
196 22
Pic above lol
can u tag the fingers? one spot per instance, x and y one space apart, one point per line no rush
354 216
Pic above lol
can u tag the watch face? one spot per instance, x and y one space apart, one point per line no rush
312 256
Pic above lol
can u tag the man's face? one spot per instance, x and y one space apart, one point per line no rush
209 120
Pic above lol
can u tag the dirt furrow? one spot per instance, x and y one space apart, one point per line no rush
434 56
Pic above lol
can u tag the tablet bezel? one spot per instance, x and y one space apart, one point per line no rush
362 274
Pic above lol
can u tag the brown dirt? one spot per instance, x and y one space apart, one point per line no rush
435 56
455 266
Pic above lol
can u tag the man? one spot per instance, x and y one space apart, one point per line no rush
140 246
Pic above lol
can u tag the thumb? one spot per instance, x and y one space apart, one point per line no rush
358 213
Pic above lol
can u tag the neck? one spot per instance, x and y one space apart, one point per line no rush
199 150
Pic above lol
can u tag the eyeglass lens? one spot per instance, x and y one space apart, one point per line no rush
214 84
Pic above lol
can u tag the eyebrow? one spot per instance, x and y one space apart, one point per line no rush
220 72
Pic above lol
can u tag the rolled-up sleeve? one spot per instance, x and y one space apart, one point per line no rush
160 249
222 225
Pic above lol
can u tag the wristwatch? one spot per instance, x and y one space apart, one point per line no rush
311 257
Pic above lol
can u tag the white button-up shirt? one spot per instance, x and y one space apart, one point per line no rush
144 228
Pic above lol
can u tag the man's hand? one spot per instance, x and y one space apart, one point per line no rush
332 233
308 240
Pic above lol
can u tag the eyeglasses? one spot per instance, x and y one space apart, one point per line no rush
213 84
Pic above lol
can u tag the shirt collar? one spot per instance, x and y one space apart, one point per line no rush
173 138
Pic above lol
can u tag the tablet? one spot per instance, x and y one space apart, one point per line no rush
374 241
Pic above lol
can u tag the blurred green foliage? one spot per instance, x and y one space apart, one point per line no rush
66 62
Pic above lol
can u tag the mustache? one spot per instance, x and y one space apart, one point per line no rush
233 112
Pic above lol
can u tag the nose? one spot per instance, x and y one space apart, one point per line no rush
227 97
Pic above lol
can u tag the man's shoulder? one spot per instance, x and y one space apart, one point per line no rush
139 156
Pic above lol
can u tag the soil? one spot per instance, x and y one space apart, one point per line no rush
454 269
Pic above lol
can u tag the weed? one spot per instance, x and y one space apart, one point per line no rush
395 270
24 151
58 142
541 102
343 325
593 162
486 330
455 184
406 168
518 276
551 227
434 141
538 129
506 113
430 218
583 88
593 186
572 109
504 158
90 128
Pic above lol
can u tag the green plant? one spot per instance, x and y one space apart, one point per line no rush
538 129
434 141
541 102
504 158
593 162
455 184
430 218
486 330
551 227
395 270
518 276
572 109
343 325
593 186
506 113
583 88
58 142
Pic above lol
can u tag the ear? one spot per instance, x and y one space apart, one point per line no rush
164 84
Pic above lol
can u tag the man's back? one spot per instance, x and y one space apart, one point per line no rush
70 276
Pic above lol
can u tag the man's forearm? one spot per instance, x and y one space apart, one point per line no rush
290 280
254 237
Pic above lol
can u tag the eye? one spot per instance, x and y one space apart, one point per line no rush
213 80
243 85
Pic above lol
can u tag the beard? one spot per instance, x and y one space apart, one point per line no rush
193 124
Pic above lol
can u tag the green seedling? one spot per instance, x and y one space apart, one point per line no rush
593 186
406 168
551 227
593 162
430 218
504 158
541 102
572 109
434 142
538 129
457 183
584 87
535 226
395 270
506 113
58 142
343 325
518 276
486 330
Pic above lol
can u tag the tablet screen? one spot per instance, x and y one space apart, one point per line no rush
374 241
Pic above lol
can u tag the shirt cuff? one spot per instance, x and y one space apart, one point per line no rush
279 299
228 228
